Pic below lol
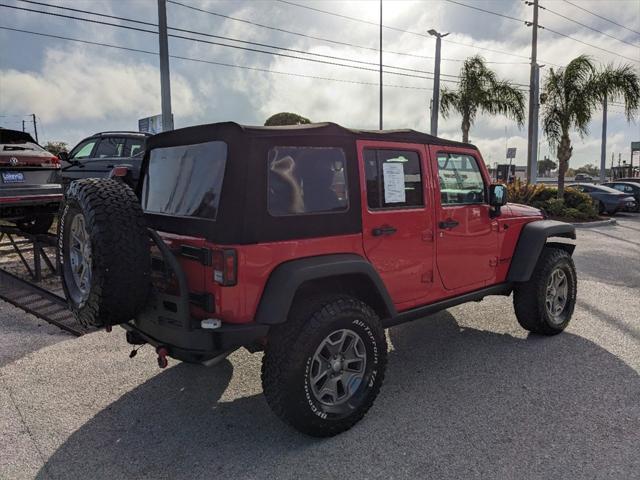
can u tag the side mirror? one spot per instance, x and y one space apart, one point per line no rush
497 197
64 156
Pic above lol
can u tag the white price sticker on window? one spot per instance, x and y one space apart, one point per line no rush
393 175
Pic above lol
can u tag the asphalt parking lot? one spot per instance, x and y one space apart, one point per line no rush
468 394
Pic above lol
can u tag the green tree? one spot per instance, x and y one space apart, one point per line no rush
56 147
571 95
545 166
286 118
480 90
589 169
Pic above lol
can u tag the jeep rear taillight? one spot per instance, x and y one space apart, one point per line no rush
225 266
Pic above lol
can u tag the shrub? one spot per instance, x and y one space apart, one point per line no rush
574 205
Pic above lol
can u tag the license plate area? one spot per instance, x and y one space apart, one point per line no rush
12 177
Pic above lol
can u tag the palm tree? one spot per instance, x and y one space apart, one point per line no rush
480 90
620 83
571 95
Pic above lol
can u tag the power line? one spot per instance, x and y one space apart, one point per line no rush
588 44
502 52
77 10
222 64
491 12
586 26
255 50
600 16
322 39
304 35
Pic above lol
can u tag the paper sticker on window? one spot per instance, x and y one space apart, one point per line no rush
393 174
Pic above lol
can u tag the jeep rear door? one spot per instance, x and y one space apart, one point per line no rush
397 217
467 237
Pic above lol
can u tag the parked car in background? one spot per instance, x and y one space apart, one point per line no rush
29 194
609 200
95 156
583 177
630 188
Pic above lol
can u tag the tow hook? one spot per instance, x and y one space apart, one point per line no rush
162 357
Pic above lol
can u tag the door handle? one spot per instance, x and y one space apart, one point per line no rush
383 230
448 223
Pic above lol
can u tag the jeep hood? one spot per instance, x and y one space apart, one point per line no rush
519 210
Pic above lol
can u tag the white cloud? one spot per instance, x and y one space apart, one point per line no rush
74 85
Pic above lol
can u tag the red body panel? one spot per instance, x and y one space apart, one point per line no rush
419 264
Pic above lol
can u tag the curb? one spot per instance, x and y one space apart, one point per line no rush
600 223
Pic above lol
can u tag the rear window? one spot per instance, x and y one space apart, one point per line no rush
305 180
186 180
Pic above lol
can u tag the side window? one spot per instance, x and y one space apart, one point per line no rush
133 147
305 180
394 178
110 147
619 187
84 149
460 179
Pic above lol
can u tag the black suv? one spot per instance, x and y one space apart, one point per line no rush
95 156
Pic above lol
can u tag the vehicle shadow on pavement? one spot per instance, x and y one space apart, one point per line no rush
457 403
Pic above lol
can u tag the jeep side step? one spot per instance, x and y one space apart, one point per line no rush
476 295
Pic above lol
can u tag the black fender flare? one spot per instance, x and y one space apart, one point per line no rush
533 238
284 281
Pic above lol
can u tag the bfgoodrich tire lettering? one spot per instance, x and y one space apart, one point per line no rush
289 359
118 252
554 272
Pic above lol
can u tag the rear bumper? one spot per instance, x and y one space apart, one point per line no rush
199 345
166 321
30 195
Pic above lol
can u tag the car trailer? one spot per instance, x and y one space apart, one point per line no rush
27 295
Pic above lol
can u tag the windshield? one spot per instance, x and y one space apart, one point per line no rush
185 180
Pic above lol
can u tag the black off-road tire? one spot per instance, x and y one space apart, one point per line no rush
120 252
36 225
289 355
529 297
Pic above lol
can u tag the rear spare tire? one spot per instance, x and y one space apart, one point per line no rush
104 252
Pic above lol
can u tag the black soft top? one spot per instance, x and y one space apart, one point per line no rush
242 214
213 131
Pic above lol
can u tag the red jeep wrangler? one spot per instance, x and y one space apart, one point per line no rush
305 242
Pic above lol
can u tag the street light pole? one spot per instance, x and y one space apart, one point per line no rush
603 144
533 95
435 104
165 80
381 65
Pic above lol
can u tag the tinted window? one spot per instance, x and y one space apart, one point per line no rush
133 147
306 180
460 179
185 180
393 178
84 149
110 147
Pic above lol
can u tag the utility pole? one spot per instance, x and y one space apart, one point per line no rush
23 126
435 103
603 143
533 178
35 126
533 95
380 64
165 80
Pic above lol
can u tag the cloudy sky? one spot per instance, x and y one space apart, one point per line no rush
76 89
